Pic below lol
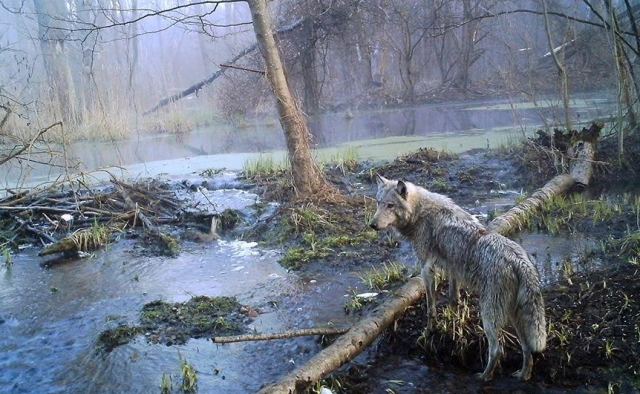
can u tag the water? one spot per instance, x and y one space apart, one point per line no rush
50 318
380 134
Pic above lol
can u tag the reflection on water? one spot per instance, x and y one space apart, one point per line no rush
378 134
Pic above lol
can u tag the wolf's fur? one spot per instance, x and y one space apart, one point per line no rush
494 267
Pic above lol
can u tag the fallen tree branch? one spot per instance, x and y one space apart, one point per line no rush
34 230
363 333
305 332
196 87
353 343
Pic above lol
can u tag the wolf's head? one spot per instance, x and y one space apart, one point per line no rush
394 204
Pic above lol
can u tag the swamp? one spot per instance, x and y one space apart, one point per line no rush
191 194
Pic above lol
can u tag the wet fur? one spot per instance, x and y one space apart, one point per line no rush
494 267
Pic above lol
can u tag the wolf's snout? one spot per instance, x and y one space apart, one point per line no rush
373 225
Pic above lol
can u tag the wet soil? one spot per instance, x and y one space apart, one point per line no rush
594 315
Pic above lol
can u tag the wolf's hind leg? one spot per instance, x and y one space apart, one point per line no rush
454 291
495 349
429 284
527 359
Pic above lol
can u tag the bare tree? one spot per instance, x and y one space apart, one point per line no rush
307 177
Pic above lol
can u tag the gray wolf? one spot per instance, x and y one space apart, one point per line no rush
497 269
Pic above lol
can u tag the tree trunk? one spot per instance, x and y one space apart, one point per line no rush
308 63
307 178
468 33
363 333
53 13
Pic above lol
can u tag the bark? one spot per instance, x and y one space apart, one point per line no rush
363 333
305 332
353 343
307 178
467 47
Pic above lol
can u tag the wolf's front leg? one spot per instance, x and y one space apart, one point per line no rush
429 284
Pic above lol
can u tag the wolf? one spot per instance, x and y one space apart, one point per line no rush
497 269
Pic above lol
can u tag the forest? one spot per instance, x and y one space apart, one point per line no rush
319 196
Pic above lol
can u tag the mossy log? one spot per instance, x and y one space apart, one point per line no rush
65 245
583 155
363 333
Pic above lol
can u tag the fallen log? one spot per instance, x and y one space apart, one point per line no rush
580 175
363 333
304 332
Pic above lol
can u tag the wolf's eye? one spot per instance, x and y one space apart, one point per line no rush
390 205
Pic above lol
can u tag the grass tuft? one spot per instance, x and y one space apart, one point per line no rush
264 167
382 278
189 377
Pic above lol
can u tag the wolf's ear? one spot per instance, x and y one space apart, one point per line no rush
381 180
401 189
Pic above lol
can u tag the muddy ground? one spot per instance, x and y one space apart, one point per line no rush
594 316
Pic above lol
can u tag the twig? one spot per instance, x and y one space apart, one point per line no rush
253 70
305 332
30 144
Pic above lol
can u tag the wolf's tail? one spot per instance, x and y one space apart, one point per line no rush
530 313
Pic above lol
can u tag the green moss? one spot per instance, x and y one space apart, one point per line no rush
441 185
294 258
229 218
120 335
177 322
171 245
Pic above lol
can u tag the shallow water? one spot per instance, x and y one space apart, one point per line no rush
380 134
50 318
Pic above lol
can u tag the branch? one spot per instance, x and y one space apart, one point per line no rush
30 144
242 68
196 87
282 335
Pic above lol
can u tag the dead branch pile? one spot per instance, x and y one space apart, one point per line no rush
83 219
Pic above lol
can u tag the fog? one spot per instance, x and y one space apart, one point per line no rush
122 70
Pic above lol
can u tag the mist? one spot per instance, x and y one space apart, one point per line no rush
245 195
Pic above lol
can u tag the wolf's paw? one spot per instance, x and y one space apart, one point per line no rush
484 377
524 376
